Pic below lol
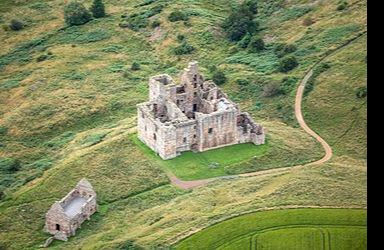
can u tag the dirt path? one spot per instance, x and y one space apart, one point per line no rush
299 116
300 119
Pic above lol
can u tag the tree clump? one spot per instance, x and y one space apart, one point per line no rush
241 21
98 9
76 14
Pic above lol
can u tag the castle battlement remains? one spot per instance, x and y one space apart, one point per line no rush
193 116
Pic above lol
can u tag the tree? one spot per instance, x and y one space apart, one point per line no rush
288 63
240 22
219 77
256 44
76 14
98 9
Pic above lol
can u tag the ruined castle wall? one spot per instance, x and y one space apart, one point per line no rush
186 136
217 129
147 129
166 142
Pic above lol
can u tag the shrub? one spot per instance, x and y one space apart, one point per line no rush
288 63
243 43
3 130
288 84
271 89
184 49
76 14
242 82
98 9
256 44
180 37
9 165
282 49
308 21
361 92
16 25
342 5
219 77
252 6
155 24
41 58
135 22
178 16
135 66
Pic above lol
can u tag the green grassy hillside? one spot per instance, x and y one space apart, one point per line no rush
72 115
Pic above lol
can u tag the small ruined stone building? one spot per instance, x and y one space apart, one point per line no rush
67 215
194 115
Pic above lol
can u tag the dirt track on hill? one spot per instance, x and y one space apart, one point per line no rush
300 119
299 116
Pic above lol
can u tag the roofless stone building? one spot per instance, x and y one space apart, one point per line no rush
195 115
67 215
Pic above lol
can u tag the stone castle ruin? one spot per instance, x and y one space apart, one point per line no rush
193 116
67 215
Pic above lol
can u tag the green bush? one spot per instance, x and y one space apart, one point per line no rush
256 44
219 77
178 16
342 5
283 49
155 24
76 14
3 130
288 84
135 66
42 58
98 9
16 25
184 49
180 37
9 165
288 63
361 92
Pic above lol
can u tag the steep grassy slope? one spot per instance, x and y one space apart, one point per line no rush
333 109
71 115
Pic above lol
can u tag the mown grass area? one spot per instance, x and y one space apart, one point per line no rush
285 229
285 146
212 163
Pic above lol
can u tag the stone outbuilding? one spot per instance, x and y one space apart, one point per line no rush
194 115
67 215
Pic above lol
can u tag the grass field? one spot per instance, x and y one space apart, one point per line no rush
292 229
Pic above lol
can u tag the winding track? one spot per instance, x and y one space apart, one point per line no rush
300 119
